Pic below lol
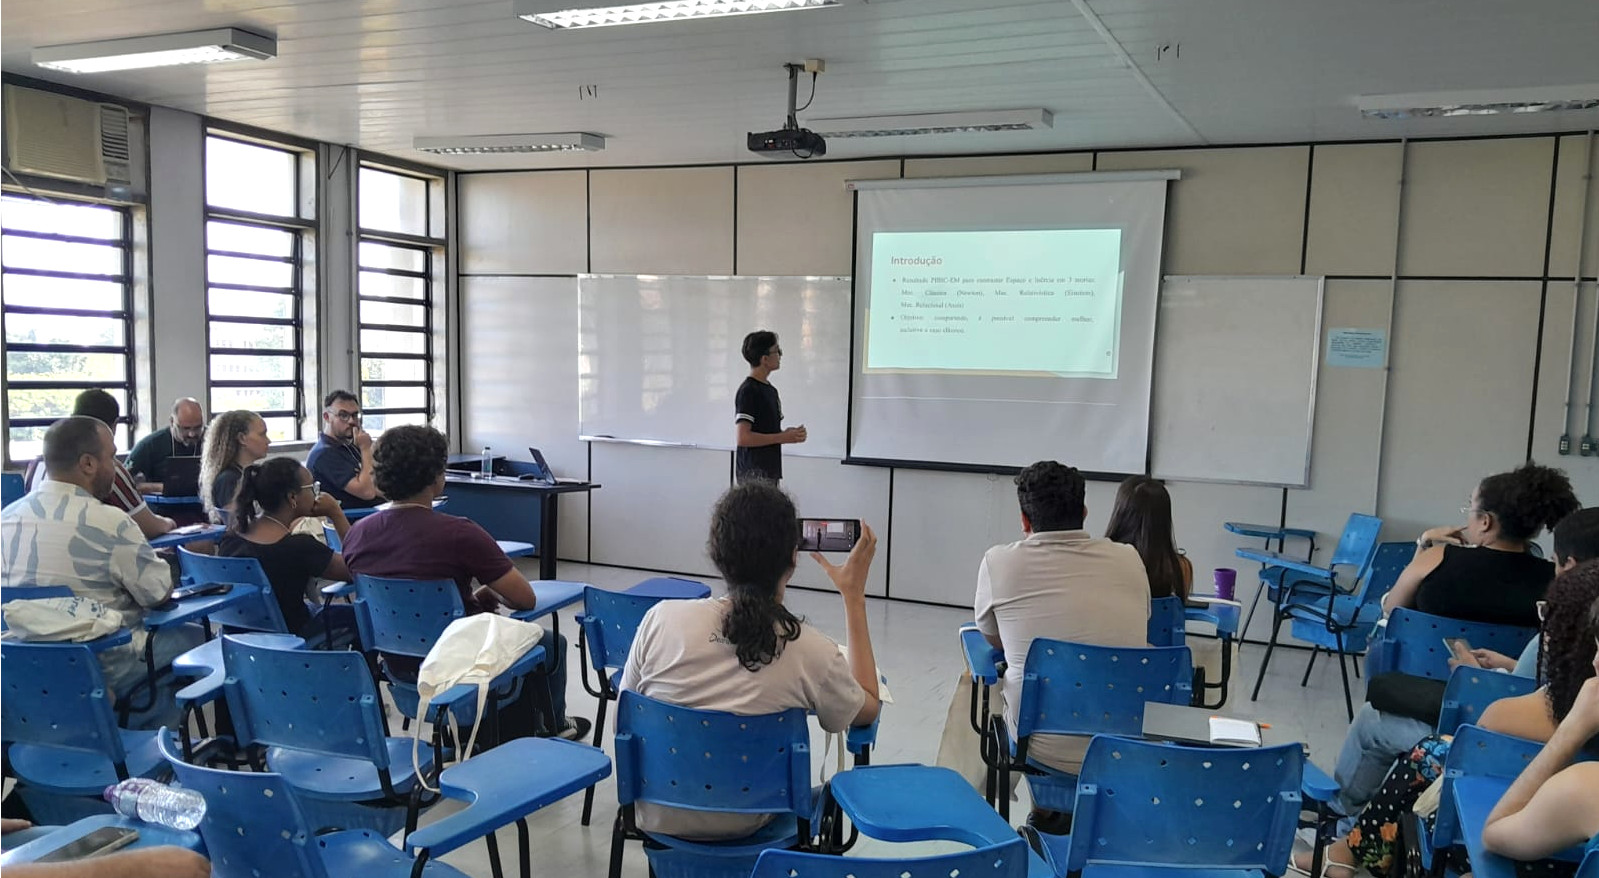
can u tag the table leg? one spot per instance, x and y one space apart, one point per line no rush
547 534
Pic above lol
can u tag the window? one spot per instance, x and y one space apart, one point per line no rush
400 260
67 313
259 226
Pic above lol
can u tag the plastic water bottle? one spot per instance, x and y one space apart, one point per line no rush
155 802
488 464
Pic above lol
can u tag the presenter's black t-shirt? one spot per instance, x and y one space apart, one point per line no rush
758 404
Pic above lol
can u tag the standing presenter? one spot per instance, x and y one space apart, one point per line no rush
758 413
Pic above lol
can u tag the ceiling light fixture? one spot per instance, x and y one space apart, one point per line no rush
564 14
160 50
1032 119
1504 101
498 144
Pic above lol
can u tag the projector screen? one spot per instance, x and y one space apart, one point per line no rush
1003 320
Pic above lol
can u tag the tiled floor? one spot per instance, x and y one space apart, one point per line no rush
916 649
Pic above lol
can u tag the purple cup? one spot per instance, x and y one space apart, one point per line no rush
1225 579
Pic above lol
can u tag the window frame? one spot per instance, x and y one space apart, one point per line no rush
434 248
303 227
128 280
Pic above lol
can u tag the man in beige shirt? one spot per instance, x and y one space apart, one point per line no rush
1059 583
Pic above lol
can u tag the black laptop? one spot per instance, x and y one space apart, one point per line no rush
183 477
548 474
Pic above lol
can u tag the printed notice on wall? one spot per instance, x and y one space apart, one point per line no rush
1357 348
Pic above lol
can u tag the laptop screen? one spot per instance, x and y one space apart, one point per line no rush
544 466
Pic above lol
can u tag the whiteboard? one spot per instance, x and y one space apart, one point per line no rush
659 360
1235 379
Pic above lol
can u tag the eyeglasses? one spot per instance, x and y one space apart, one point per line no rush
1469 510
315 488
347 416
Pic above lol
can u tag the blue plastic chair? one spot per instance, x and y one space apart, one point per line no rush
1006 859
1336 622
606 629
1079 689
255 824
1151 809
1279 572
1589 867
12 488
64 744
1412 642
1471 690
320 716
704 760
263 615
1168 626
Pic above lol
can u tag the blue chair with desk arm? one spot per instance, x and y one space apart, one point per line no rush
1074 689
1412 642
1145 809
704 760
1168 626
1334 621
1471 690
1280 571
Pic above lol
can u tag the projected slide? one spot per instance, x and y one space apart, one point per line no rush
1038 302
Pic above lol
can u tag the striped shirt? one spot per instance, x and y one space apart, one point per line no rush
59 534
124 493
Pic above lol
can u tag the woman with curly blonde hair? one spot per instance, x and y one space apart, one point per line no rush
234 440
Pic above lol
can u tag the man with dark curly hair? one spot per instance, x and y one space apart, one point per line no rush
1057 582
410 540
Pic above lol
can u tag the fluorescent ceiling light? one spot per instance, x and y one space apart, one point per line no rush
561 14
161 50
495 144
1031 119
1540 99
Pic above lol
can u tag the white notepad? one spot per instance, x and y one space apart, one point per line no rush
1234 732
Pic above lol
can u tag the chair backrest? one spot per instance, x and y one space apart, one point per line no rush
1389 560
707 760
1078 689
252 824
1477 752
1413 642
1167 624
1006 859
12 488
610 620
55 695
1589 868
330 535
404 616
1471 690
1357 543
263 615
1150 803
318 701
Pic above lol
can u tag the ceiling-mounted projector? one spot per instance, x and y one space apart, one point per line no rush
791 139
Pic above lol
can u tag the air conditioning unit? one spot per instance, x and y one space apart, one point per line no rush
67 138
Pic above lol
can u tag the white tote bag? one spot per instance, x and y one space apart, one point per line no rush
472 651
73 619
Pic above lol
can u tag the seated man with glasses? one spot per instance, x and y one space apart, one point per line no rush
342 457
273 495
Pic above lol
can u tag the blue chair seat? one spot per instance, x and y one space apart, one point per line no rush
1123 870
83 772
782 832
347 779
366 853
515 548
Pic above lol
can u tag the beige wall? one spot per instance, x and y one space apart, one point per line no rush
1480 342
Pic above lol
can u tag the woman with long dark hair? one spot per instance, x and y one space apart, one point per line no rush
748 654
273 495
1141 518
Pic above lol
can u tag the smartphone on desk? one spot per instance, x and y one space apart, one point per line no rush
201 590
101 841
829 534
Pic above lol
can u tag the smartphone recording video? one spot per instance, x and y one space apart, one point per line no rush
829 534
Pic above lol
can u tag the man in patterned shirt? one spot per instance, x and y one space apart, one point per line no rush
62 534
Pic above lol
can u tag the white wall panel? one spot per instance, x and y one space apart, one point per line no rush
993 165
1459 396
794 219
1476 208
661 221
521 390
1354 209
1577 160
1551 419
655 509
533 222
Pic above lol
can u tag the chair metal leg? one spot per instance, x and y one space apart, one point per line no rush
1343 671
599 735
1265 660
1260 588
1305 680
617 840
526 854
494 855
1354 660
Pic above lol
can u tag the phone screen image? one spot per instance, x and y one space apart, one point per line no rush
829 534
101 841
1461 650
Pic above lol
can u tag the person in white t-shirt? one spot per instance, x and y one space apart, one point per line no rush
746 653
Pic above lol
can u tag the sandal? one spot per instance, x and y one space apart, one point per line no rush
1328 865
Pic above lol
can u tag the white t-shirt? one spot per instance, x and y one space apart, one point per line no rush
680 656
1063 585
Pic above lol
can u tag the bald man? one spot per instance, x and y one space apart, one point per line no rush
182 437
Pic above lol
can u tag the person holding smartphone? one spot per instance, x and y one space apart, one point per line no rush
758 413
163 861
